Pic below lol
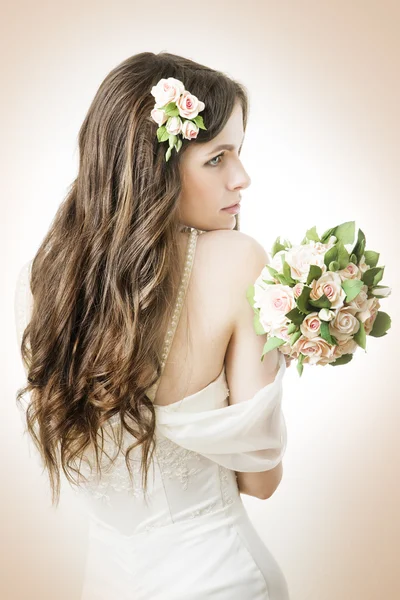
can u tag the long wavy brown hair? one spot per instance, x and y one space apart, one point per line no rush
105 277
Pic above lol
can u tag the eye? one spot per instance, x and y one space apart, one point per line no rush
215 157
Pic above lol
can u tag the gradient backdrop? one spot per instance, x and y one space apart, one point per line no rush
322 147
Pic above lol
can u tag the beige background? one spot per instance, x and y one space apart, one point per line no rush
322 147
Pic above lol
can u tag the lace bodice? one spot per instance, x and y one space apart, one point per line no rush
200 442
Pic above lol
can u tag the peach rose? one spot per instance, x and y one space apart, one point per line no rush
311 326
316 350
159 116
166 91
329 284
297 289
274 302
344 347
368 315
189 106
345 323
350 272
360 301
174 125
189 130
362 265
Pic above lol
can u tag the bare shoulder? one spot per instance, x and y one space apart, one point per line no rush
234 255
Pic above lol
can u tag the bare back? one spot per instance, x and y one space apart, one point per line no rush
197 353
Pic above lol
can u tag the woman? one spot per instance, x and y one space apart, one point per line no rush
144 376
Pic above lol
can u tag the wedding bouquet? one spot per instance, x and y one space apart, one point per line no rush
318 301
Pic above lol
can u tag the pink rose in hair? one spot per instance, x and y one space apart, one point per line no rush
189 106
166 91
159 116
189 130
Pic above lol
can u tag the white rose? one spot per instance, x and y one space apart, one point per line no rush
325 314
383 291
329 284
276 263
275 301
159 116
299 258
174 125
166 91
189 106
189 130
297 289
345 323
311 326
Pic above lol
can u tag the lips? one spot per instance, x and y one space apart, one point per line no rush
234 204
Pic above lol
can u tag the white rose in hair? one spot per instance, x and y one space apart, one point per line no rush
174 125
189 106
159 116
167 90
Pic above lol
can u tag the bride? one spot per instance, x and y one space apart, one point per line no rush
145 388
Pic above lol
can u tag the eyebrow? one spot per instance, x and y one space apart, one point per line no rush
229 147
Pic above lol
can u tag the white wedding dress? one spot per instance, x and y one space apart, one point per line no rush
191 538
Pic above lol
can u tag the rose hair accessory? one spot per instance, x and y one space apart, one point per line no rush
178 110
319 301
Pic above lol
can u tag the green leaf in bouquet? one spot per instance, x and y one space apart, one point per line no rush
334 266
312 235
327 234
258 328
271 343
299 365
331 255
326 335
343 255
373 276
283 279
353 259
381 324
352 287
272 271
343 233
291 328
303 300
295 316
360 337
359 247
371 258
277 246
315 272
342 360
250 295
322 302
294 337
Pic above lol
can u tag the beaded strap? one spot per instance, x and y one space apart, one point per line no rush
194 233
